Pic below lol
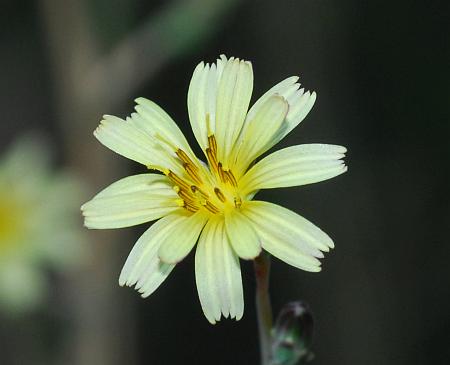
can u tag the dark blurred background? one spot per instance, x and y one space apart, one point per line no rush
381 70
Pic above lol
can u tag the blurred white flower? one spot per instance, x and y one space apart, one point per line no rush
213 203
38 224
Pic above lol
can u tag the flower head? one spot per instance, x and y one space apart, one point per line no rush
212 202
38 224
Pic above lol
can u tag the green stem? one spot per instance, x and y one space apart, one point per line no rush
263 307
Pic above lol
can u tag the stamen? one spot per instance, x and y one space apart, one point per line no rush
212 159
193 173
194 193
211 207
231 178
185 158
177 180
196 189
220 195
237 202
222 175
186 197
190 208
212 143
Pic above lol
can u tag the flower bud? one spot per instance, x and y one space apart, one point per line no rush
292 335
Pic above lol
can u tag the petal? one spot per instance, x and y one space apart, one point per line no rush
153 120
218 100
233 98
300 103
179 243
259 130
296 165
218 274
285 88
287 235
124 138
143 267
242 236
202 100
131 201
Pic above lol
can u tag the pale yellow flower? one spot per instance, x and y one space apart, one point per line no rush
39 228
212 202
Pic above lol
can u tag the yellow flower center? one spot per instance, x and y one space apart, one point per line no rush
214 189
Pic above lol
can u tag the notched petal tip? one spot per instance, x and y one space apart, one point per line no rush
314 269
145 295
85 225
334 148
342 168
83 208
88 225
327 242
123 281
108 119
239 314
330 244
199 67
141 100
319 255
106 122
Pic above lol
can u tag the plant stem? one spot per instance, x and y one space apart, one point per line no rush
263 307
